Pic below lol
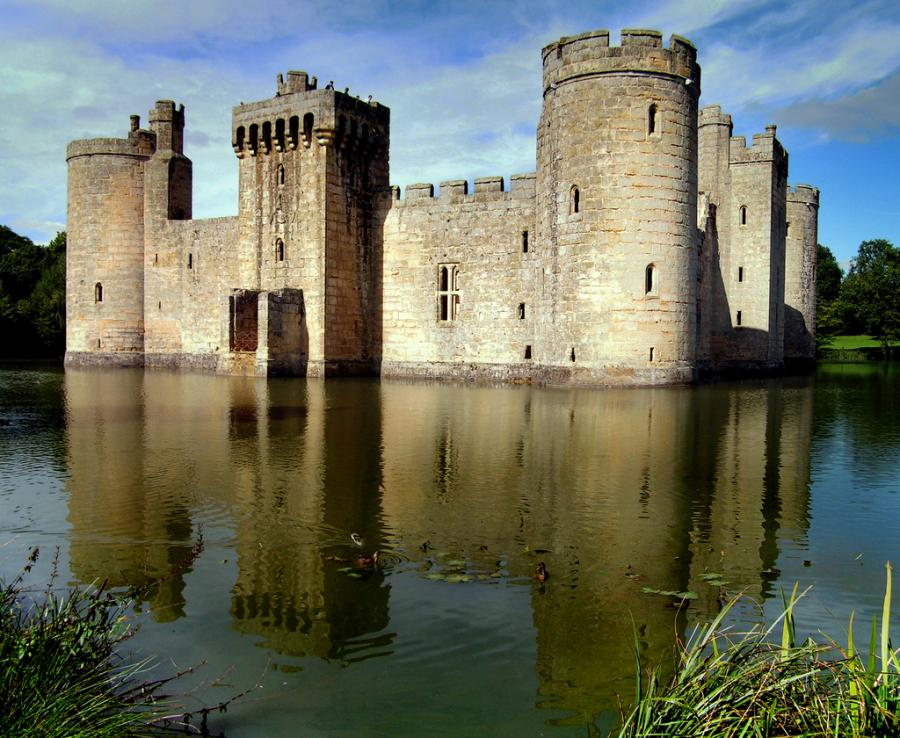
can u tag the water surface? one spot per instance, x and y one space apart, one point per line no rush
463 490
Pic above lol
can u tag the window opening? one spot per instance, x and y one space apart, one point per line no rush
572 355
649 279
254 138
294 131
651 353
279 250
281 174
740 274
159 305
574 200
307 128
651 120
738 317
448 292
743 215
190 261
524 242
521 311
267 136
279 134
98 292
155 259
528 351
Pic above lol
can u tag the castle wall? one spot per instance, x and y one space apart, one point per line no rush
801 253
478 239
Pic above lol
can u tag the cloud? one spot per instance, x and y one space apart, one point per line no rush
859 117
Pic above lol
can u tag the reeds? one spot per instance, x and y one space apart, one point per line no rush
59 675
747 684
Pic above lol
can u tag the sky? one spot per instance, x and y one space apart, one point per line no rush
462 79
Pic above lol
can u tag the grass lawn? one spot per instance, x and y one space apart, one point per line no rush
854 342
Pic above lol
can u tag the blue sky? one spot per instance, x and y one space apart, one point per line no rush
462 80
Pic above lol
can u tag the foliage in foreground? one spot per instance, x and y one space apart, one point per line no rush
58 676
744 684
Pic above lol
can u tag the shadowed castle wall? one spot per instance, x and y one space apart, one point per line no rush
801 254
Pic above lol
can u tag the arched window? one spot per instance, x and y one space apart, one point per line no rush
98 292
650 279
307 128
279 134
448 292
280 174
652 127
267 136
574 200
294 131
279 250
743 215
254 138
239 139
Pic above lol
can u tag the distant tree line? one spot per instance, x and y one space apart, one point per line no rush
865 301
32 296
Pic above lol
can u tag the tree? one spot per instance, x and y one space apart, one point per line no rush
32 295
828 276
872 290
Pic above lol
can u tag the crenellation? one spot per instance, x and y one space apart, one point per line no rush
627 257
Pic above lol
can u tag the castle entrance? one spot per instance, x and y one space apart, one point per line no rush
244 323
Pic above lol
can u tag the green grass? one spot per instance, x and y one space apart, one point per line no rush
848 343
755 684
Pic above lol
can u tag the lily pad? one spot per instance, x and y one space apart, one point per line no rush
670 593
457 578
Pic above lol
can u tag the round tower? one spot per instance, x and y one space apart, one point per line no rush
616 206
801 254
105 248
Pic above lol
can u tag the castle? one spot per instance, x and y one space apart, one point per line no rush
650 247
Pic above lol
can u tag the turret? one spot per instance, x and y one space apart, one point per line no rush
801 252
105 253
616 204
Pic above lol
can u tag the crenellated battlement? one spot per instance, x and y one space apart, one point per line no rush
712 115
301 114
804 194
452 191
641 51
764 147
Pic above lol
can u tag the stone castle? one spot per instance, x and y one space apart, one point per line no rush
650 246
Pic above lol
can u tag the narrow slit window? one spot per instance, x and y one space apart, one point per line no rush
743 215
155 259
572 354
528 351
650 279
279 250
652 120
190 261
738 317
448 292
574 200
98 292
651 353
521 311
740 274
524 242
280 174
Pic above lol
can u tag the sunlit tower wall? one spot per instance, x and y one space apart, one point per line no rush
105 250
617 208
311 160
801 253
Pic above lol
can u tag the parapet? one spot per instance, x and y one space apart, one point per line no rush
589 54
139 144
765 147
804 194
301 114
712 115
487 189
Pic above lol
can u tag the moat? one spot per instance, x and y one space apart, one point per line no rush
747 486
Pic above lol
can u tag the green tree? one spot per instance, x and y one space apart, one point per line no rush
872 290
32 295
828 276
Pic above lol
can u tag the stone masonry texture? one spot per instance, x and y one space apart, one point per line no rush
650 246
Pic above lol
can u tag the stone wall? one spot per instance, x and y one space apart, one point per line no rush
801 253
491 284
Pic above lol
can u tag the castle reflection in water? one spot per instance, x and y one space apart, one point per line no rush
616 490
